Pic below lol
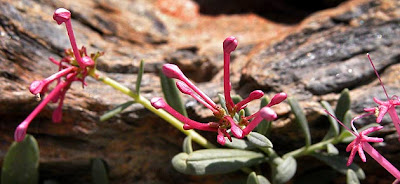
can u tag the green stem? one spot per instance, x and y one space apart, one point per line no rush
310 149
161 113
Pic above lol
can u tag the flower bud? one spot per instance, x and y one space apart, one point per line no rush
268 114
158 102
256 94
87 61
61 15
278 98
36 87
20 132
172 71
230 44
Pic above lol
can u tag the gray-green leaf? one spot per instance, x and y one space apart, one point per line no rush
252 178
300 119
259 140
285 170
343 104
215 161
139 77
331 149
99 172
334 128
187 145
256 179
239 144
115 111
21 162
339 164
351 177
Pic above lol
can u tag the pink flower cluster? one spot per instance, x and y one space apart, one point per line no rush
74 67
360 143
225 119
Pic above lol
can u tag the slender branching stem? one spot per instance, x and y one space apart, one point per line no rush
161 113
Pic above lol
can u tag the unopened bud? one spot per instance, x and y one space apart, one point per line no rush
172 71
158 102
278 98
268 114
87 61
36 87
256 94
230 44
20 132
61 15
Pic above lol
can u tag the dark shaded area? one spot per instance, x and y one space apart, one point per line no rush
285 11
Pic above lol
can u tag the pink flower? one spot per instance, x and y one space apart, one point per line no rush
74 67
385 106
225 120
360 144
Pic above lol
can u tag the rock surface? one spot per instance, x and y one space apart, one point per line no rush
311 56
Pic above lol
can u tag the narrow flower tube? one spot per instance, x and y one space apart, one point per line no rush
278 98
173 71
229 45
186 90
257 94
37 86
57 113
62 15
20 132
395 118
158 103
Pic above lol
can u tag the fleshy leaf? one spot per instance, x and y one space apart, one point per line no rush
215 161
334 128
118 109
253 178
187 145
331 149
347 120
239 144
21 162
259 140
139 76
172 94
99 171
222 102
285 170
300 119
343 104
351 177
339 164
264 126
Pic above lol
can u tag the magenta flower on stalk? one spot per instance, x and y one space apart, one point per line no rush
225 120
385 106
360 144
74 67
